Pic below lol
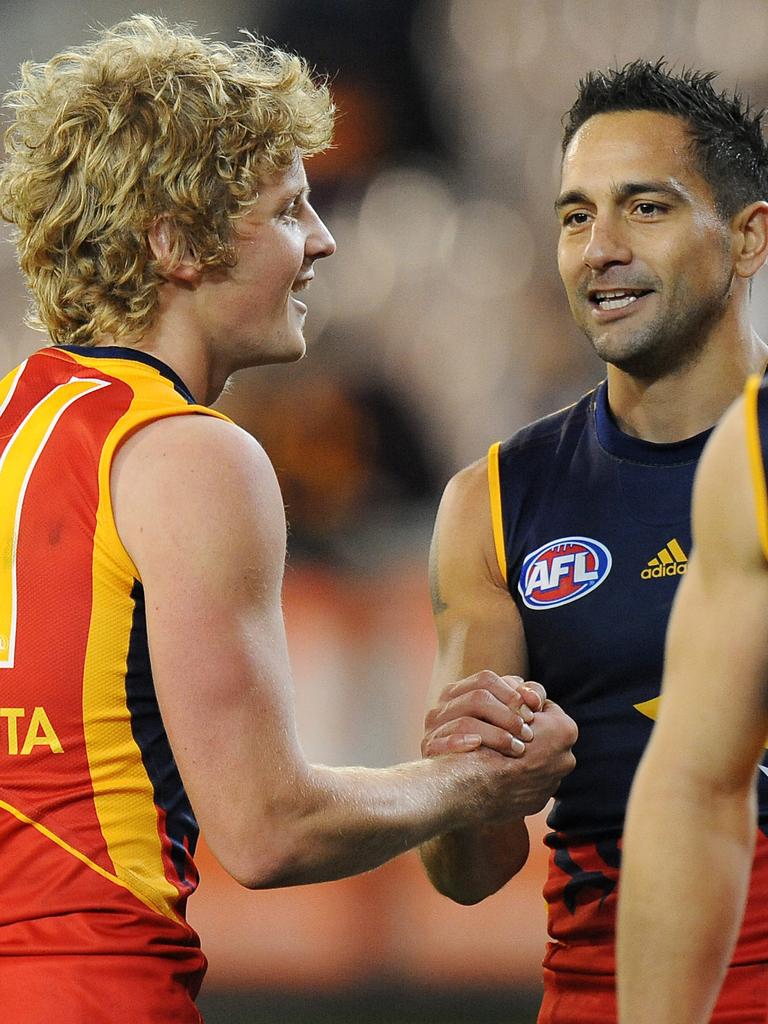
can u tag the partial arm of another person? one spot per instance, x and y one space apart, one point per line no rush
478 626
200 513
691 821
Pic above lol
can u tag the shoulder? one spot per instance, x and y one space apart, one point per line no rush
723 478
213 451
465 529
548 431
467 491
729 492
199 479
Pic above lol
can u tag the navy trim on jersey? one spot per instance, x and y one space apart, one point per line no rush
152 740
762 422
125 352
634 449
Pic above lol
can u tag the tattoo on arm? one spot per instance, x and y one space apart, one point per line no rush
438 605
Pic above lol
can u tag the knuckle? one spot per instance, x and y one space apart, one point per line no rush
479 700
515 725
514 700
504 741
486 677
538 689
464 724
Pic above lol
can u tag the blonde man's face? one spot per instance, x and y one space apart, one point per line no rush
256 308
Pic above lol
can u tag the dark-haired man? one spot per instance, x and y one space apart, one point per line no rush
690 835
560 553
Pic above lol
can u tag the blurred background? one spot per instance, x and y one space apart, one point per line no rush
438 327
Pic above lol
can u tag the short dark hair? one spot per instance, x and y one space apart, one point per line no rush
727 143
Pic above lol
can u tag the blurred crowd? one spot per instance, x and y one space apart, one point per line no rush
440 324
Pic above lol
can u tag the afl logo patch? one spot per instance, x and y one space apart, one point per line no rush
563 571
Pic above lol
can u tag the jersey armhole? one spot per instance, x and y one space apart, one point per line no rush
497 519
128 425
756 463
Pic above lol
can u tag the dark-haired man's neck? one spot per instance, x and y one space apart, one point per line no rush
689 399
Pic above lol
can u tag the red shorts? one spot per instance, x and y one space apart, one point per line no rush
94 990
591 998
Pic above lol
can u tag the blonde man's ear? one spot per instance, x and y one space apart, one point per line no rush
171 251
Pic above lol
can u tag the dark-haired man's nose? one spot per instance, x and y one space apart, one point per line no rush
606 244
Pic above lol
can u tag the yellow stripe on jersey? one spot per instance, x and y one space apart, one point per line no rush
128 815
8 386
76 853
17 461
155 399
757 467
497 522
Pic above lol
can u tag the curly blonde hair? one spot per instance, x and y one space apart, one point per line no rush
147 121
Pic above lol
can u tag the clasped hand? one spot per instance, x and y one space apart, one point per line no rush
497 712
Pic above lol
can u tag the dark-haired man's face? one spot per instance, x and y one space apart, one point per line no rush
643 253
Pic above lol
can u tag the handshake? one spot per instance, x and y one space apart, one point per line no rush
518 742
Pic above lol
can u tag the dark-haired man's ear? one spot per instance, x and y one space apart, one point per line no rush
170 249
750 233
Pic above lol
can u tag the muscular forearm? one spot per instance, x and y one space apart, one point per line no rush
287 822
689 846
469 864
332 822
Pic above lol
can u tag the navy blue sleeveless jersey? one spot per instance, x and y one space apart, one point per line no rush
592 531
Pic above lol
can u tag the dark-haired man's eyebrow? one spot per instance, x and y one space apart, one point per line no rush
573 197
670 188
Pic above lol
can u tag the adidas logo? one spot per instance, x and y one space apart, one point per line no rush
670 561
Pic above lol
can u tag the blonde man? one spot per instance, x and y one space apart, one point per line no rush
158 188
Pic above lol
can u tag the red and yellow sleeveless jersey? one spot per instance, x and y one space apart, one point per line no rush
96 833
756 409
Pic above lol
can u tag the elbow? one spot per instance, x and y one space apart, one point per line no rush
256 862
467 870
267 870
266 843
260 876
459 886
458 891
464 897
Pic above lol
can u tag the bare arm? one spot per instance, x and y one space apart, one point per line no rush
692 819
478 626
200 513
